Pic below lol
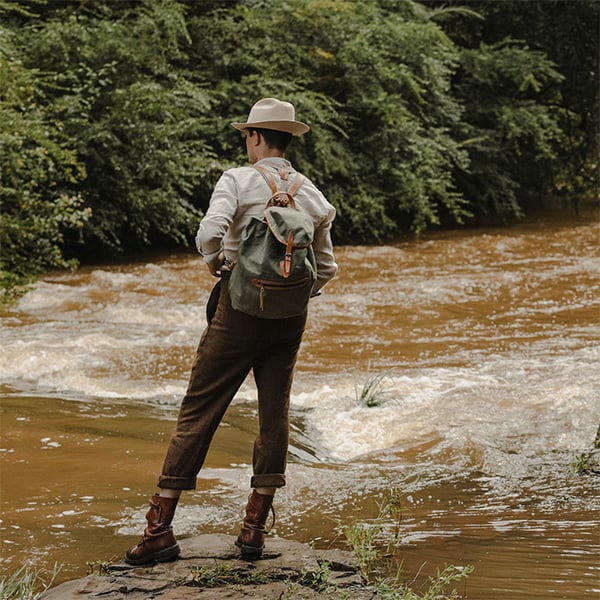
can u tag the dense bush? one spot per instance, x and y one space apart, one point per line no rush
114 116
39 174
568 34
133 118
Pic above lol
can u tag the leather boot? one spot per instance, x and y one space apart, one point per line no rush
158 544
251 539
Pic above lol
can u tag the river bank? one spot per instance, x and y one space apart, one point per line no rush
210 565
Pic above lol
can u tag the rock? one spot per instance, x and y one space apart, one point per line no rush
211 564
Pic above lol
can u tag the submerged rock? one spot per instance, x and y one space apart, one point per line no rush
211 565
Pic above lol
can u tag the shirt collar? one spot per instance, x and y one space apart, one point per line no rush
275 161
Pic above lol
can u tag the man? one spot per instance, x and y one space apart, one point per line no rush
235 343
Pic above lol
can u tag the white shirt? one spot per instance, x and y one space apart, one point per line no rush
242 193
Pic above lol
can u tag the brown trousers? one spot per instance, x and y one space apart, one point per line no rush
233 344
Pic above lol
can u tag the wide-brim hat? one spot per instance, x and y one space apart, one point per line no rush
270 113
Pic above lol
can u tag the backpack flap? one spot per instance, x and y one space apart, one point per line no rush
283 221
291 228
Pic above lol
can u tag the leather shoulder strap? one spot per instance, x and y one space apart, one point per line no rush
298 181
268 178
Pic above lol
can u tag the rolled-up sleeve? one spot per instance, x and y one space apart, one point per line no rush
217 219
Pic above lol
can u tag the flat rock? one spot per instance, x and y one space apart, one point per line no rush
210 567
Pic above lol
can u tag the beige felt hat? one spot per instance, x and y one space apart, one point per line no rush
270 113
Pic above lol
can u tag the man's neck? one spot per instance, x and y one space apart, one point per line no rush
269 153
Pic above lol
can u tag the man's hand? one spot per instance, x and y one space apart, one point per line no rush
214 267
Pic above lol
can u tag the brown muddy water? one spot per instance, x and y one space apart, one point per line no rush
486 344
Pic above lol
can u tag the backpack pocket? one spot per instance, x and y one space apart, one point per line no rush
273 295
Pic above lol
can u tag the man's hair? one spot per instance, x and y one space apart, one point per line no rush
274 139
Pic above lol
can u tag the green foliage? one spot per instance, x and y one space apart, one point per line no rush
39 173
506 131
589 462
136 121
585 463
319 579
567 32
370 539
25 584
390 589
226 574
374 542
100 568
373 392
374 83
114 116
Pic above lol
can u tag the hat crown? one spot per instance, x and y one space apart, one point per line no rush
271 109
270 113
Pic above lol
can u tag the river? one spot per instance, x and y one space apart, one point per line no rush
483 346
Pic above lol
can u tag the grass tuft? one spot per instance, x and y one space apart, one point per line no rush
374 391
25 584
588 463
375 544
224 574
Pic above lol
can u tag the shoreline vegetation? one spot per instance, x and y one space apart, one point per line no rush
114 116
371 570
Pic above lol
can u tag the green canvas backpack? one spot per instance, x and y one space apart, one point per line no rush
276 268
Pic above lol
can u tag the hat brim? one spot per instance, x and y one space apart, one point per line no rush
293 127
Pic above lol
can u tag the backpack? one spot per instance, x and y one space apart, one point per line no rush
276 268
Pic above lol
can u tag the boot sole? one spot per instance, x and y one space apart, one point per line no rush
249 553
165 555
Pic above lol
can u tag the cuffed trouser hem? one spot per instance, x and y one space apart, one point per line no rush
177 483
268 480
